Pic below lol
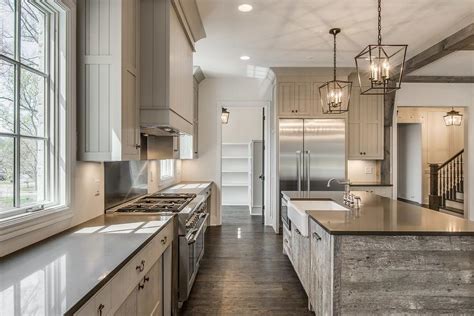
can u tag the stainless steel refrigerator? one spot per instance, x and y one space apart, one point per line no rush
311 152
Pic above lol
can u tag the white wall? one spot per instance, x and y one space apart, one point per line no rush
363 171
245 125
410 162
444 94
214 93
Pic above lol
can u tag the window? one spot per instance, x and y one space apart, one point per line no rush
166 169
29 108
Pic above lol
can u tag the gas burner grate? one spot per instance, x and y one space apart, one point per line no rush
159 202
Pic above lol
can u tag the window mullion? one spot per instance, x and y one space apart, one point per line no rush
16 177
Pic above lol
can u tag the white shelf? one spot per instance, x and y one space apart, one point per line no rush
234 171
235 157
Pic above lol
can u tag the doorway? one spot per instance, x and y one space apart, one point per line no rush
243 164
442 154
410 163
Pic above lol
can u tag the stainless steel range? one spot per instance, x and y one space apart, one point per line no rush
192 211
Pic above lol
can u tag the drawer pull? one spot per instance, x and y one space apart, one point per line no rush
146 279
316 236
141 286
164 240
100 309
141 266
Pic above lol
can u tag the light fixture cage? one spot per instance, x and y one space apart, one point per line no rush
380 67
453 118
335 96
225 116
376 71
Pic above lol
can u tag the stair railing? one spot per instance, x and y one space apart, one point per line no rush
446 180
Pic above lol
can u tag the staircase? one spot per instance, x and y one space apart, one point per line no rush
447 186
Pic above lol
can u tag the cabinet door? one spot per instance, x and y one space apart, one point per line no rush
371 108
130 108
304 263
295 248
303 97
321 273
286 98
129 306
355 148
149 298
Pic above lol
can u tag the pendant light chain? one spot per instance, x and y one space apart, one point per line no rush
334 56
380 22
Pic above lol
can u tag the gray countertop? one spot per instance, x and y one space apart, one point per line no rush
54 276
370 184
382 216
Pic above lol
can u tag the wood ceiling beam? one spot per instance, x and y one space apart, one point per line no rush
439 79
462 39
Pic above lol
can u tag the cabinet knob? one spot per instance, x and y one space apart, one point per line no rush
146 279
141 266
138 146
164 240
141 286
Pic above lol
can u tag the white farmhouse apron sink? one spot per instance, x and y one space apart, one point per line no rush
298 216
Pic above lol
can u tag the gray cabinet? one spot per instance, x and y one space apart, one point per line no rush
366 126
108 69
321 272
294 98
300 248
146 298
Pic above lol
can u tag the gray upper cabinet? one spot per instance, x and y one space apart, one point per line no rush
108 55
366 129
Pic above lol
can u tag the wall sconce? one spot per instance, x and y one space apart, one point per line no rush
225 116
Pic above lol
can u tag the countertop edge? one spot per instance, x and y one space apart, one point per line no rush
74 308
386 233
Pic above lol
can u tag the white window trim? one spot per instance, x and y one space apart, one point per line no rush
168 178
65 95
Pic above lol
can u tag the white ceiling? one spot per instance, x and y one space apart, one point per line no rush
295 32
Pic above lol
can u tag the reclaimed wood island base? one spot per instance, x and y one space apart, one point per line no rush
388 257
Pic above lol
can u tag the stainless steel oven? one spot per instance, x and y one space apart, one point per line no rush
191 251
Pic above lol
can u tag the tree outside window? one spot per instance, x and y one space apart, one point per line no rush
24 105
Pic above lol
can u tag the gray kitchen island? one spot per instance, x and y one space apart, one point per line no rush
386 257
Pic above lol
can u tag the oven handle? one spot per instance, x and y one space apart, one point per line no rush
197 231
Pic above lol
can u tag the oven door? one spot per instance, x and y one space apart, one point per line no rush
191 252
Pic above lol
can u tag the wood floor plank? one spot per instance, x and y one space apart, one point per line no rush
244 272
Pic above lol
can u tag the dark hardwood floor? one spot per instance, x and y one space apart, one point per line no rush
244 272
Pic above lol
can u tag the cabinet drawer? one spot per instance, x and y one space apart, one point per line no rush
99 305
128 277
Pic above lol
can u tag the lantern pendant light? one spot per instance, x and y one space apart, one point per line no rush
453 118
380 67
335 95
225 116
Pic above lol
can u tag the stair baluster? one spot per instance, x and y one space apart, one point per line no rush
446 181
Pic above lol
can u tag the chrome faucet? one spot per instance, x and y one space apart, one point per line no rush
348 197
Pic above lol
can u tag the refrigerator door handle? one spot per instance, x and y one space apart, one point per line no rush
298 169
308 171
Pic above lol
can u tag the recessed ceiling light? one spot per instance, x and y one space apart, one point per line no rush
244 57
245 7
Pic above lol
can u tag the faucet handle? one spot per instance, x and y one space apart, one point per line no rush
358 201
